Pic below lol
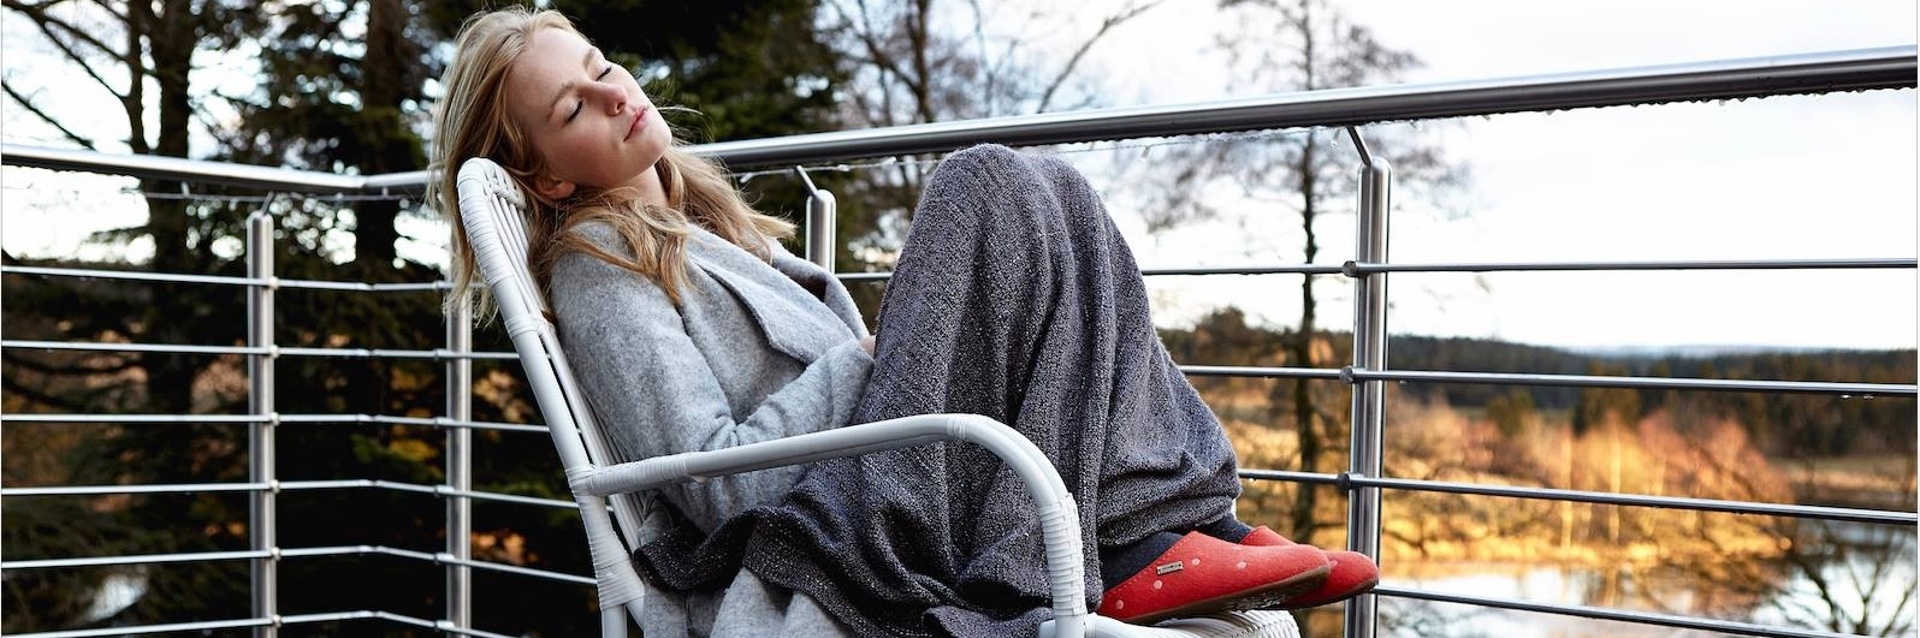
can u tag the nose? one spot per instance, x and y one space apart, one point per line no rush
609 97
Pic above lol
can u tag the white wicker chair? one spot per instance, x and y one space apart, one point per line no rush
490 209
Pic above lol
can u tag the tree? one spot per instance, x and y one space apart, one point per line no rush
140 56
1296 45
328 102
930 61
1599 407
1860 585
1511 413
342 89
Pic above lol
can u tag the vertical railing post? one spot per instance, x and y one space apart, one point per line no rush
821 217
260 402
1369 396
459 454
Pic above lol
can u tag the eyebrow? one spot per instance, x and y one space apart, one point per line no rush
569 84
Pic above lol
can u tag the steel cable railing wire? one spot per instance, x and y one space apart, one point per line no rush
275 351
285 419
1838 71
278 620
1814 512
291 552
281 486
1619 615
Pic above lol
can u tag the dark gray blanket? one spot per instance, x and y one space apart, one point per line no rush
1015 298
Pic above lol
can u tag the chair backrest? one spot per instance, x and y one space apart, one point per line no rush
491 210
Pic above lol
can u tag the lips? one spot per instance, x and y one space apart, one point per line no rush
639 122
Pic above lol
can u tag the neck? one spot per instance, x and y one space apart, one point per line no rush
652 191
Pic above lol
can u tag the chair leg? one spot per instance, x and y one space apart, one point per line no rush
613 622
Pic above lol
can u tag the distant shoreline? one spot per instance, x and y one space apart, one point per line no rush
1884 482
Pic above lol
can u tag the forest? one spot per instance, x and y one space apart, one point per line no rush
1756 447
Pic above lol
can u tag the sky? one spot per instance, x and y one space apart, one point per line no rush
1793 177
1779 178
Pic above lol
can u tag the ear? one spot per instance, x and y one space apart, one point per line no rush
553 188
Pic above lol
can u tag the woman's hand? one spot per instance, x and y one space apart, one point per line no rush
866 343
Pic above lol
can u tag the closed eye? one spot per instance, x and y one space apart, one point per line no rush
580 104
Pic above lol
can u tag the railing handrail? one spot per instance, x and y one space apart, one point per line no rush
1863 69
1822 72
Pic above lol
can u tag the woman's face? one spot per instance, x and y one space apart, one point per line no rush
587 118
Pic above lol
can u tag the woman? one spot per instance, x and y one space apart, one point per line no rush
691 328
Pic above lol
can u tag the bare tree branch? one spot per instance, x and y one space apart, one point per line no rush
1073 62
46 24
44 117
878 55
120 365
246 102
111 10
46 21
224 135
37 396
1902 617
980 42
868 35
918 38
139 16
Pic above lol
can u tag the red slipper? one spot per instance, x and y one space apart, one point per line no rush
1351 573
1201 574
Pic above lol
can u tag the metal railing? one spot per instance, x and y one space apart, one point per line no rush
1886 68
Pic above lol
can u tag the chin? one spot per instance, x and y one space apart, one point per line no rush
650 156
653 140
657 134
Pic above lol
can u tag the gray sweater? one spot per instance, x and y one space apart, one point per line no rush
750 354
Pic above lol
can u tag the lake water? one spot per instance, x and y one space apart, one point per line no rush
1882 557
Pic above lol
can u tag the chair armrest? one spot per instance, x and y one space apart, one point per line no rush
1058 516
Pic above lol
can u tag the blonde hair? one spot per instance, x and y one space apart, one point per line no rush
472 121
